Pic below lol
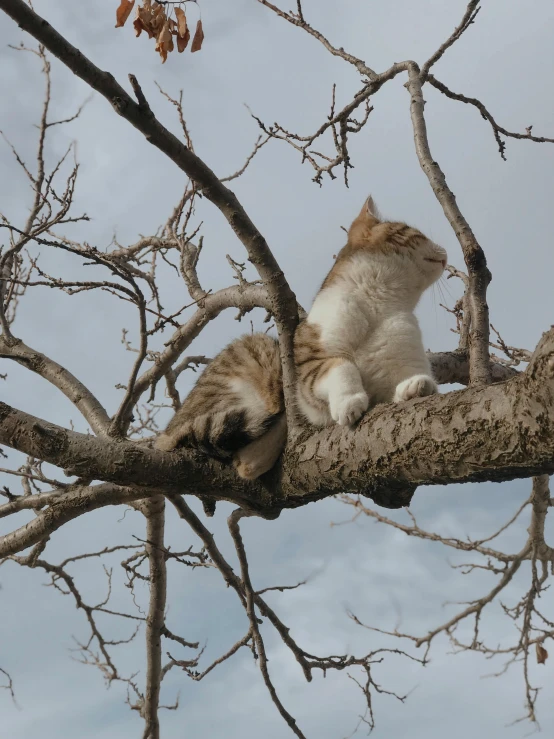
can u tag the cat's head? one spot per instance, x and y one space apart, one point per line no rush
407 247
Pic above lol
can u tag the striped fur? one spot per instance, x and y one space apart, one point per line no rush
237 399
359 345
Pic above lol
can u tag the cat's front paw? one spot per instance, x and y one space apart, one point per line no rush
417 386
347 409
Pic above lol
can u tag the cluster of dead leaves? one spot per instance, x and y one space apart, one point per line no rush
152 18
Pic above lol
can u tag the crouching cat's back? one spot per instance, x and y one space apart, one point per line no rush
237 400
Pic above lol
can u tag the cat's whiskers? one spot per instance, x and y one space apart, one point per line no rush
444 284
434 299
440 290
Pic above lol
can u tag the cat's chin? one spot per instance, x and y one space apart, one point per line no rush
431 272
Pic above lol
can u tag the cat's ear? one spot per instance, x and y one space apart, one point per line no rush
369 216
370 210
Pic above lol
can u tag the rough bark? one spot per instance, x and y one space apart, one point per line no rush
494 433
452 368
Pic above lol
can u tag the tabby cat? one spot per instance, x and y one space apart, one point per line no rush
359 345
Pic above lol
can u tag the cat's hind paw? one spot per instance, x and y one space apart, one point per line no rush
165 442
348 409
417 386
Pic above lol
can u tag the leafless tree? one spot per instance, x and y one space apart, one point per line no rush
501 427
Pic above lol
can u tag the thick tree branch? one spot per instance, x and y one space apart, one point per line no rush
453 368
540 502
493 433
90 408
64 508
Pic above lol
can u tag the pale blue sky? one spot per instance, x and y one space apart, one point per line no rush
252 57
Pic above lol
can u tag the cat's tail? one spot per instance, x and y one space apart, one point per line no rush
236 409
254 448
220 434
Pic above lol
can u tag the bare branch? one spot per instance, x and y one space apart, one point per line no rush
306 661
156 613
260 142
299 21
282 298
453 368
63 508
469 17
497 129
70 386
9 685
532 627
479 275
62 581
244 642
415 531
233 523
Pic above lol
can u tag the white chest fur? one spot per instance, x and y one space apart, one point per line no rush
366 317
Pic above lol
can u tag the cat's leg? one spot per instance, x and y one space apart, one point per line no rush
416 386
325 345
403 360
261 454
341 387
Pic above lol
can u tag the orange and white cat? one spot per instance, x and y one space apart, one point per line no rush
359 345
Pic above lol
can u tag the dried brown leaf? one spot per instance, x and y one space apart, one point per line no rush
198 38
542 654
144 21
123 12
182 43
157 19
181 22
139 24
164 42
